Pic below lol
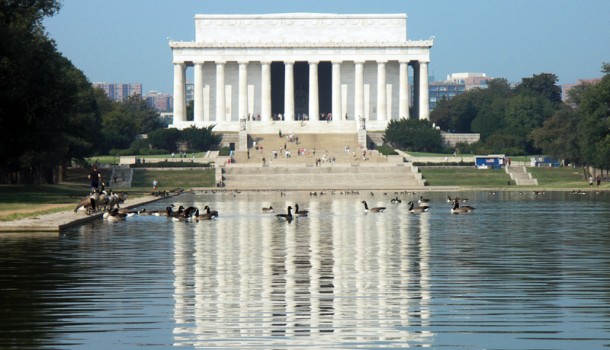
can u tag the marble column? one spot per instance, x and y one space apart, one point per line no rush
198 93
381 92
179 92
424 103
266 91
221 109
336 101
289 90
242 109
314 107
404 93
359 90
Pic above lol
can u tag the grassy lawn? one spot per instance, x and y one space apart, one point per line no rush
427 154
170 179
465 176
566 177
108 159
21 201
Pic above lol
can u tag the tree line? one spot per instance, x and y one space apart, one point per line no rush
51 116
528 118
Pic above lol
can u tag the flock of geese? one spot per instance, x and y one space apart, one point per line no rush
423 207
193 214
190 213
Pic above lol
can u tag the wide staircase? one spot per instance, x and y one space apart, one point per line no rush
316 162
520 175
307 149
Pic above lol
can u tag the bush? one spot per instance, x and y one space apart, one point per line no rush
224 151
386 150
180 164
444 164
414 135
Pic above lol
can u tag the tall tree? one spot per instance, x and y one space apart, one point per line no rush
594 125
557 136
46 110
544 85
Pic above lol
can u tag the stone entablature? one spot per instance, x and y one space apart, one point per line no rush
300 28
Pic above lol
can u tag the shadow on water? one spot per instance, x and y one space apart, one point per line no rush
524 269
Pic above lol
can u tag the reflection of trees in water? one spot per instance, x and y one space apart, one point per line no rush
35 286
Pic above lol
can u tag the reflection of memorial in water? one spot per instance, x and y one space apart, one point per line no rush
335 276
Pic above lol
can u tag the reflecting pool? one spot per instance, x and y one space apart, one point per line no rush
523 271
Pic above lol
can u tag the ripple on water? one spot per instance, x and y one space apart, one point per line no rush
521 272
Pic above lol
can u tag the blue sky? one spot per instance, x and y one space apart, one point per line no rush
127 40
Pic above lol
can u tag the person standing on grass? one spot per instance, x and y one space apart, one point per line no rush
598 180
155 184
590 181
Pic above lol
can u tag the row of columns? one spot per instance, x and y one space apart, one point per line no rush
420 80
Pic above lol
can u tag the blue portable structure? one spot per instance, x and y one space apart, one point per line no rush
492 161
544 161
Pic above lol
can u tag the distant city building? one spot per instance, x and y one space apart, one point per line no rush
456 84
565 88
119 91
159 101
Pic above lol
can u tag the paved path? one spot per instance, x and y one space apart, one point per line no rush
60 221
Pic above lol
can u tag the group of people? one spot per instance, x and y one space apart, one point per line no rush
598 180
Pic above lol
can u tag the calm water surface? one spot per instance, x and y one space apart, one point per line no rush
522 272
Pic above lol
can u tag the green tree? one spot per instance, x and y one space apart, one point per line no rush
166 139
125 120
594 125
490 118
543 85
47 110
557 136
413 135
199 139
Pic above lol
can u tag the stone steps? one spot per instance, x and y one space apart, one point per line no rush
319 178
344 148
521 176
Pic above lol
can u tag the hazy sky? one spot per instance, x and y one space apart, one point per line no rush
126 41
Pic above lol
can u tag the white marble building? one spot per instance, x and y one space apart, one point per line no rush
263 72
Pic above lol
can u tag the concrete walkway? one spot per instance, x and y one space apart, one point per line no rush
60 221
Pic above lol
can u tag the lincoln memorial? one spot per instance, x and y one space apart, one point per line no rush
308 72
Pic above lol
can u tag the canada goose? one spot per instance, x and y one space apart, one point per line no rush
396 200
298 212
268 210
288 217
114 216
374 209
421 209
457 209
171 213
130 213
157 212
207 214
423 200
89 203
450 200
